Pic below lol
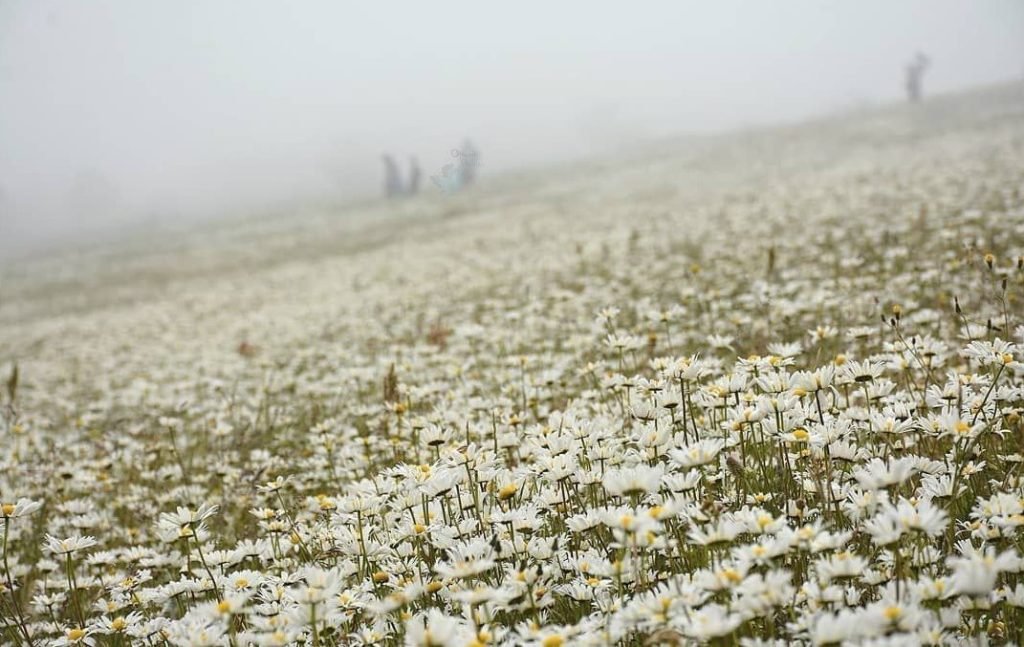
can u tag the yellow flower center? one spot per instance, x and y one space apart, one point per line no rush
892 613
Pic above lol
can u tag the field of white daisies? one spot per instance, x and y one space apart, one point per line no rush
763 388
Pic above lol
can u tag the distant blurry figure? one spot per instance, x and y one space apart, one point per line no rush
448 180
455 177
392 178
414 176
914 73
469 158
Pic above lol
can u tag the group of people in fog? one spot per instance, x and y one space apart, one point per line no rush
461 173
453 177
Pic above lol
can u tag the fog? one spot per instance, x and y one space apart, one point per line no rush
122 113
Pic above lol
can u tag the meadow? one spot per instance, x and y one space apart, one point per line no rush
760 388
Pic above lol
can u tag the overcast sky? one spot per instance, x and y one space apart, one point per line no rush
119 110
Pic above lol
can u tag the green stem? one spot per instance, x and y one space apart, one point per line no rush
10 585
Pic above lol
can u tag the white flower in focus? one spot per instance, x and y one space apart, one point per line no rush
69 545
20 508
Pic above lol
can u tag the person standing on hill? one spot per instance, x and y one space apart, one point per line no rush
392 178
914 73
469 158
414 176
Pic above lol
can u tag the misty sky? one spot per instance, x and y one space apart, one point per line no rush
113 111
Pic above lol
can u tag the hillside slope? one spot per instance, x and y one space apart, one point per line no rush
753 385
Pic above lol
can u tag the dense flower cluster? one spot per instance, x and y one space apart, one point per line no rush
780 403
